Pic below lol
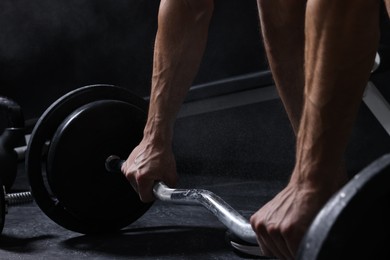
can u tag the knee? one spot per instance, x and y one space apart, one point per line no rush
200 9
282 7
190 10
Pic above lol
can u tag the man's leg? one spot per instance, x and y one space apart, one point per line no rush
387 5
282 24
341 39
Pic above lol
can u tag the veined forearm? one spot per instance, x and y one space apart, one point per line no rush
180 43
338 61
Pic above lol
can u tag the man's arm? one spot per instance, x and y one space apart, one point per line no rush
179 47
340 47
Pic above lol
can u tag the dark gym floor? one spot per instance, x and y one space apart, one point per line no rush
244 154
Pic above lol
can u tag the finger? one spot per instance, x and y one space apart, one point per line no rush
131 179
281 244
134 186
294 241
263 248
263 238
145 190
124 167
269 246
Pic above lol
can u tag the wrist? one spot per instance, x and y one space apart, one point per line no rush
158 131
323 180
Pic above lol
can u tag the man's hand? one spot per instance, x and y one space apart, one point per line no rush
147 164
281 223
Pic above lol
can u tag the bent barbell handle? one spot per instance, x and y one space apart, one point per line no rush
235 222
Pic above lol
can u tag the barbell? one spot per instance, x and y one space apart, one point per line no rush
12 135
67 158
77 145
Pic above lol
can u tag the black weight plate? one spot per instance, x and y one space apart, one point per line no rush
2 207
354 223
41 136
76 163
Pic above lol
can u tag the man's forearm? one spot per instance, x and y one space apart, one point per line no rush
180 43
340 50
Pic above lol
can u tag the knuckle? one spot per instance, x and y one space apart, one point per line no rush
273 229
